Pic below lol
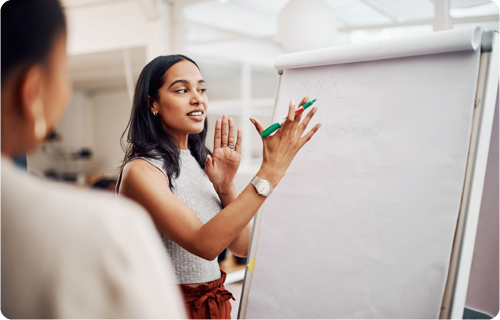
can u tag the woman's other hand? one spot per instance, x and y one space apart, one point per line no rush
281 148
222 167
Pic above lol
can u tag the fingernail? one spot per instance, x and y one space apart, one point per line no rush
314 110
293 102
252 120
319 125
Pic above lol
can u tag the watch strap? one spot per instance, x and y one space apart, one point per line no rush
255 181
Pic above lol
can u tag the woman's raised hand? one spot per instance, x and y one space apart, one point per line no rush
222 167
281 148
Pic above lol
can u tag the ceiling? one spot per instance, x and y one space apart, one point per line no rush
221 34
95 72
259 17
251 25
85 3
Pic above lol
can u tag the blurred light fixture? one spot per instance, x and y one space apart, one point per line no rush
306 25
223 1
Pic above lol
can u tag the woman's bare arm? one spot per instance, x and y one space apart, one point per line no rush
240 245
148 186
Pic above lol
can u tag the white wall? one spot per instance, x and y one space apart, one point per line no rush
118 25
111 114
72 125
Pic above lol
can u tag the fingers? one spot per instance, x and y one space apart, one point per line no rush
217 135
209 166
289 120
238 141
257 125
299 117
225 131
309 135
291 111
231 139
303 125
303 101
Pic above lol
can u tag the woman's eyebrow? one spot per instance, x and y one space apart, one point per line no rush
184 81
177 81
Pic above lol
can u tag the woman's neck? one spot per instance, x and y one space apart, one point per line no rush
182 140
180 137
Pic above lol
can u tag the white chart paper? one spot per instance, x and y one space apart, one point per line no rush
438 42
362 224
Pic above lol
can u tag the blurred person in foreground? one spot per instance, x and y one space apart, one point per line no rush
66 253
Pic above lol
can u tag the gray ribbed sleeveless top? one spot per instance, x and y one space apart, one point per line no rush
195 189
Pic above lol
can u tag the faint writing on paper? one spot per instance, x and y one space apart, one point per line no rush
352 125
372 131
320 89
329 88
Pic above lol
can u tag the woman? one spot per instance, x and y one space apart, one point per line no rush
66 253
188 191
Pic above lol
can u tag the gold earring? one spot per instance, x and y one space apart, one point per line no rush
40 123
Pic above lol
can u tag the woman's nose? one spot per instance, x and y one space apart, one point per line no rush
197 98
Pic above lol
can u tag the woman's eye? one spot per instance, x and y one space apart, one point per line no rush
181 91
203 90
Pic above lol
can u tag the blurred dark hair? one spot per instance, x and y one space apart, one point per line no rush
29 28
146 137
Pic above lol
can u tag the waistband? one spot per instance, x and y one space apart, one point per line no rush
213 292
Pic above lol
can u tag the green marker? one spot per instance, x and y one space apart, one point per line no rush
278 125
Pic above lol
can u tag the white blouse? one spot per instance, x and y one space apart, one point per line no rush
68 253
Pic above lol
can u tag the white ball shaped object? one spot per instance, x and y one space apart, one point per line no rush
306 25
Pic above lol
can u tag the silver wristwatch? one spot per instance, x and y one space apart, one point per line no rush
263 187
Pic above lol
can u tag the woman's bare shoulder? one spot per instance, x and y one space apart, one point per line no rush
138 166
140 172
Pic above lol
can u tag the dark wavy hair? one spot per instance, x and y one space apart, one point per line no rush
146 136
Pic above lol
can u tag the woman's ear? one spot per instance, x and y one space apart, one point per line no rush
32 102
153 106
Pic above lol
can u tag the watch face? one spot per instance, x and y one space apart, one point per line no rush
263 187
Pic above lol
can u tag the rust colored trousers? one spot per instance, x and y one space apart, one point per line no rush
208 301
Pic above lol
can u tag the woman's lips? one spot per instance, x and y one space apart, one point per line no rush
197 118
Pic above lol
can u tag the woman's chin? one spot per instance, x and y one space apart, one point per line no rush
200 127
196 130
